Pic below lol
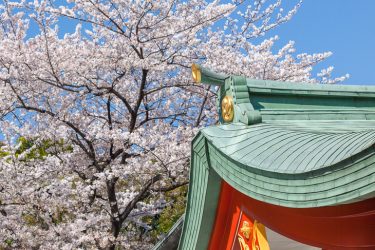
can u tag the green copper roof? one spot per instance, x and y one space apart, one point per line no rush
299 182
267 86
292 145
289 149
291 168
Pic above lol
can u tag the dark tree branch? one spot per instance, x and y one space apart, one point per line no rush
170 188
143 193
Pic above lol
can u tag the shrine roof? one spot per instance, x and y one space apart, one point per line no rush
290 164
291 144
288 144
292 147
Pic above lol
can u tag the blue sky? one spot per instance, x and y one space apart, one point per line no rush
344 27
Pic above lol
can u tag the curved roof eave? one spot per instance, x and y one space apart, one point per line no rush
291 168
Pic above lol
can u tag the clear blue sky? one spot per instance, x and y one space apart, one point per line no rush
344 27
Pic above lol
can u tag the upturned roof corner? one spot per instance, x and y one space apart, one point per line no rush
233 100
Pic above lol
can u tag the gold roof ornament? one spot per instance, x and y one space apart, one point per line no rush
196 72
206 76
227 108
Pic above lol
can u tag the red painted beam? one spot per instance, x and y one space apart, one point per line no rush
350 226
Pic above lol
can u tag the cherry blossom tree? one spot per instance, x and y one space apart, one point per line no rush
108 111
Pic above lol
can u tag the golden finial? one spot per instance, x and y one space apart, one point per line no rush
227 109
195 70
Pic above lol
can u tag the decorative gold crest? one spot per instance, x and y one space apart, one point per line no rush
227 109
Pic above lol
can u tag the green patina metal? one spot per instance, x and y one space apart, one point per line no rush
290 144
